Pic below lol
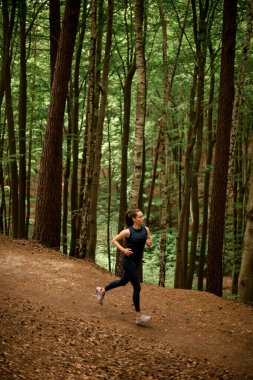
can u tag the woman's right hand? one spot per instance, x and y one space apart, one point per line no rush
128 251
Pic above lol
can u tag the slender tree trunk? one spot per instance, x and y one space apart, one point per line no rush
232 159
48 204
55 30
99 137
140 105
22 111
200 35
238 96
66 184
2 188
182 238
75 138
218 198
163 151
124 159
89 143
245 285
30 140
109 197
8 22
209 152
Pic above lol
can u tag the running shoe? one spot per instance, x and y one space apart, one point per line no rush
142 319
100 295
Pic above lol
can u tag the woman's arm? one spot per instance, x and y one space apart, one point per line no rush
148 240
121 236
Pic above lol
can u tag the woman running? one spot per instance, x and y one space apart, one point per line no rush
136 235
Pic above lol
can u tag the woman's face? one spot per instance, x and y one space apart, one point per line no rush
138 218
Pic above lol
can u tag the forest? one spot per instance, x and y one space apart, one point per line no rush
111 105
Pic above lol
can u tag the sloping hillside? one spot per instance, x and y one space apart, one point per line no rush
53 328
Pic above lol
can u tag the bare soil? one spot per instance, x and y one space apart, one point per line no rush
52 327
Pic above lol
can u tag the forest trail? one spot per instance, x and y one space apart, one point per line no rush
52 326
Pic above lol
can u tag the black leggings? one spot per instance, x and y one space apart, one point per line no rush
130 274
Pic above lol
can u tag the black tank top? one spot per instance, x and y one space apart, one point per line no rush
136 241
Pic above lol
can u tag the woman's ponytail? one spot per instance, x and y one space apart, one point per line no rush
129 215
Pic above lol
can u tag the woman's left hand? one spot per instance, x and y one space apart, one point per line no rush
149 242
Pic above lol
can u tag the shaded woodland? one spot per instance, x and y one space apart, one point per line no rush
110 105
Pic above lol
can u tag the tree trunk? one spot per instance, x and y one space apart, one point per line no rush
109 197
2 188
22 111
182 238
218 198
163 151
245 285
55 30
89 139
140 105
124 159
75 138
48 205
99 136
200 36
29 161
66 185
7 32
238 97
209 153
232 157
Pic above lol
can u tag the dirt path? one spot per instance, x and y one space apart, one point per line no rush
53 328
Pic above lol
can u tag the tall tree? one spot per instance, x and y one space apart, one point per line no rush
75 141
89 138
124 155
232 188
22 111
245 284
163 150
200 36
218 197
8 24
48 204
140 104
209 153
99 135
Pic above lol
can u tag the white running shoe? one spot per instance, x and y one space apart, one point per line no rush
100 295
142 319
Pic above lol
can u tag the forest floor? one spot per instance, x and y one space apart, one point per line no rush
52 327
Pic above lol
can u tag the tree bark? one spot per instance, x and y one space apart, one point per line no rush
75 138
140 105
48 205
163 151
55 30
245 284
209 154
218 197
99 136
200 36
7 32
22 112
182 238
124 159
89 139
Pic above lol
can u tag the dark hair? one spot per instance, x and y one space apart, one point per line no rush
129 215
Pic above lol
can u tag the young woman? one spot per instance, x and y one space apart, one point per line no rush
136 235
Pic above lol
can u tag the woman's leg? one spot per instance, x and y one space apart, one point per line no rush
131 270
115 284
